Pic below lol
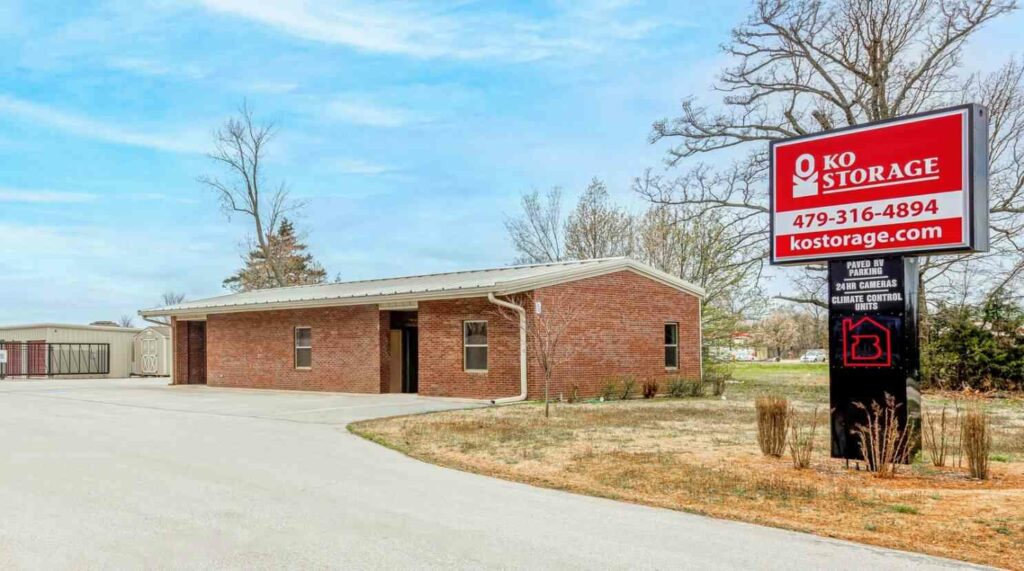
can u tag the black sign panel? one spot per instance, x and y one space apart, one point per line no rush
872 343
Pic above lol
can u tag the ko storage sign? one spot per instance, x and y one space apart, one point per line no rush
914 184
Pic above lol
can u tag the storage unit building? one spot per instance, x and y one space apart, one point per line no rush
67 350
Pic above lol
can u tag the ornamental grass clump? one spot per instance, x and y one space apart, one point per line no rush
650 389
941 433
884 443
801 437
976 435
773 415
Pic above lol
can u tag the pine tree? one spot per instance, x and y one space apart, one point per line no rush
297 266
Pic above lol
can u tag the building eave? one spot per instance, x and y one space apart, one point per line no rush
507 287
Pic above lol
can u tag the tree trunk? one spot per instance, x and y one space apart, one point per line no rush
265 246
923 325
547 385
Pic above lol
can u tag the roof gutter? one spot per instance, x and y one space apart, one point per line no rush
155 321
522 348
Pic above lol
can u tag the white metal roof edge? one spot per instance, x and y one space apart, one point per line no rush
610 266
569 274
112 328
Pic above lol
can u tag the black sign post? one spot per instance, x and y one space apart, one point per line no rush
873 345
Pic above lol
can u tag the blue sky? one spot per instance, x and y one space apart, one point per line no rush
411 129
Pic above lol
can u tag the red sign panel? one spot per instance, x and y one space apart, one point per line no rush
916 184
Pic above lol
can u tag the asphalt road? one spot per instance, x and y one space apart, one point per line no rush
134 473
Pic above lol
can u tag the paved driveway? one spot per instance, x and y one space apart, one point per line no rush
138 474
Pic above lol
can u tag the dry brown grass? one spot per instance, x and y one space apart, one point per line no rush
702 456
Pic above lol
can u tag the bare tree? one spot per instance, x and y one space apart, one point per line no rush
780 331
536 234
240 147
804 67
126 320
171 298
548 328
708 248
168 298
597 228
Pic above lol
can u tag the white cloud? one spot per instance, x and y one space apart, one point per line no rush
361 167
154 68
441 30
43 196
370 114
180 142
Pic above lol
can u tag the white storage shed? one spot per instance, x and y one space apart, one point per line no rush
151 352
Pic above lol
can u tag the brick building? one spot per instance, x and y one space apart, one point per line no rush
459 334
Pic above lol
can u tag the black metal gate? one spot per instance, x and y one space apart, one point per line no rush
39 359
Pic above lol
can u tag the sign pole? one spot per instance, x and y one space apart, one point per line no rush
874 349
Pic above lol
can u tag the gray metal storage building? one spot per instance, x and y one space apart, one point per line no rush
67 350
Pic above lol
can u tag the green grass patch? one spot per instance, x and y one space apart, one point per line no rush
903 509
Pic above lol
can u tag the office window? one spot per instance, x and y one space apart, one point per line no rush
303 347
474 345
671 345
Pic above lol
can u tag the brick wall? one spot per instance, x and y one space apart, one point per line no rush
256 349
440 349
618 330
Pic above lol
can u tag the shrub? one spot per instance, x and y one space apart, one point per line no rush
676 387
717 374
628 386
976 346
976 436
801 437
650 389
610 390
884 444
679 387
574 393
772 424
941 435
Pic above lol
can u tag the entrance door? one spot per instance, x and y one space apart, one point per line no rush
410 360
396 358
405 348
149 357
197 352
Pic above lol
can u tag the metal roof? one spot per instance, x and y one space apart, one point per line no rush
113 328
452 285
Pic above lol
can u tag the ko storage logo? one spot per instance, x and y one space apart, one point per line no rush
916 184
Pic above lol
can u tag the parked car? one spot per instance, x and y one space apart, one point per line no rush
813 356
744 355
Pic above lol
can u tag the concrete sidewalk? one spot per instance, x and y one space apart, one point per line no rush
134 473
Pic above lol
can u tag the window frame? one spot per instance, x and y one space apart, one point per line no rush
296 347
675 345
466 346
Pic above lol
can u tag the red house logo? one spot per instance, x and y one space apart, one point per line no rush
866 343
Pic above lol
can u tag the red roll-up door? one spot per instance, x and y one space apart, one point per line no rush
37 358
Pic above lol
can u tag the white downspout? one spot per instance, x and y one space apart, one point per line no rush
522 349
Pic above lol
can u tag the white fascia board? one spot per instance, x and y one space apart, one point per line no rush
519 286
313 303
